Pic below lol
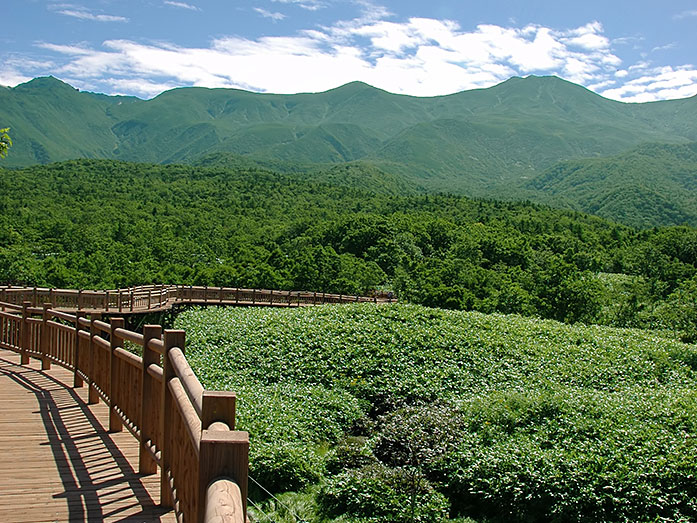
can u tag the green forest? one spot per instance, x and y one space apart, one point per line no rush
107 224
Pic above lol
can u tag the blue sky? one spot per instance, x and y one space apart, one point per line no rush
633 51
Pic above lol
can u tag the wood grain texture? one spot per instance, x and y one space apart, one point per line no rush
57 460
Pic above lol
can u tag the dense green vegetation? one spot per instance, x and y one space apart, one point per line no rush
405 413
484 143
106 224
648 186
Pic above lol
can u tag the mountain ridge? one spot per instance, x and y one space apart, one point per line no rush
485 142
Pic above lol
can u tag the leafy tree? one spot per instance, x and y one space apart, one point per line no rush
5 141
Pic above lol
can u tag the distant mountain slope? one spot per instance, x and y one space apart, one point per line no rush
654 184
479 142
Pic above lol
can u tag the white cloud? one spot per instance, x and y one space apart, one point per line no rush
181 5
268 14
686 14
418 56
660 83
310 5
82 13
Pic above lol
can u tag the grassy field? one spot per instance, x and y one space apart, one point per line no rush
405 413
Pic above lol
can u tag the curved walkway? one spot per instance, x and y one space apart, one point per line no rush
58 462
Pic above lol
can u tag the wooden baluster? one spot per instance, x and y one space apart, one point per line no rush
223 453
44 338
106 299
92 394
115 423
132 298
25 333
172 338
77 379
146 464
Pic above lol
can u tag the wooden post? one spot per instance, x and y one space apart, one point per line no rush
172 338
92 394
220 295
115 423
44 340
237 295
146 464
35 299
132 299
223 454
218 406
254 295
77 379
120 301
314 298
205 294
25 333
79 299
51 297
106 299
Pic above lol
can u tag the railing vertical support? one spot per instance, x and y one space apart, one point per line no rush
79 299
146 464
25 333
77 379
132 298
172 338
223 453
92 394
115 423
44 340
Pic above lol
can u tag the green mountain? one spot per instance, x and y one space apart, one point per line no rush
469 142
519 139
650 185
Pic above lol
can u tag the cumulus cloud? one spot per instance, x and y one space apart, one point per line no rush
659 83
417 56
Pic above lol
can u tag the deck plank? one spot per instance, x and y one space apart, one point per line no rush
57 460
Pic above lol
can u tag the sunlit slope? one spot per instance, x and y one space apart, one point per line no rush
651 185
477 142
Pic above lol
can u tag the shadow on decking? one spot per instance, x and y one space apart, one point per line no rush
87 459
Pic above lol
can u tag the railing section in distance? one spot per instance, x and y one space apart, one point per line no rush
185 430
163 297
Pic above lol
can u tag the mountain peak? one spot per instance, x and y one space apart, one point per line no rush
45 82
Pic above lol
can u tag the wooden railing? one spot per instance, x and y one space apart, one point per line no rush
187 431
162 297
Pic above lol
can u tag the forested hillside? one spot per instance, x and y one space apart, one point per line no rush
103 224
648 186
486 142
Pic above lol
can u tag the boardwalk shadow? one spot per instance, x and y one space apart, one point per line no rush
98 481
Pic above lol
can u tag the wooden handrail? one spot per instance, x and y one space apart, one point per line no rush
162 297
185 430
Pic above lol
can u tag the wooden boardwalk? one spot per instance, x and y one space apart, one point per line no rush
58 462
